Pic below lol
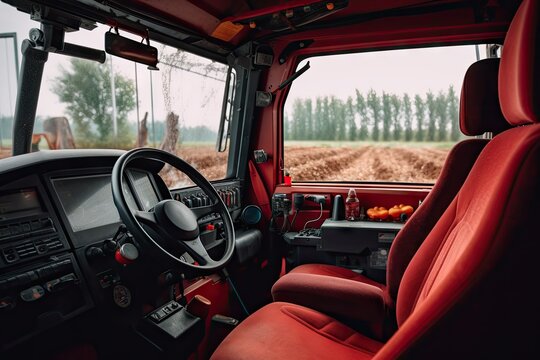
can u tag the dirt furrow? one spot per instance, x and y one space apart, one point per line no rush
367 163
323 167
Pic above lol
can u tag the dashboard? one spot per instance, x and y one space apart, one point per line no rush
56 218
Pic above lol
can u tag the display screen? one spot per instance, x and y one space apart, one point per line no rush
19 202
88 201
145 190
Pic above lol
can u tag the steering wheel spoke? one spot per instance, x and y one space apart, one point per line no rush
146 217
197 251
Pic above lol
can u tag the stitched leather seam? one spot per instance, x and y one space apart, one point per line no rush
432 264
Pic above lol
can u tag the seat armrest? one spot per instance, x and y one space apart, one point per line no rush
333 296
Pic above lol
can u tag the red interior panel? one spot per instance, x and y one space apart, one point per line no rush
369 196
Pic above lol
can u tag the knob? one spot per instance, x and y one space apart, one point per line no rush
126 254
109 246
94 252
199 306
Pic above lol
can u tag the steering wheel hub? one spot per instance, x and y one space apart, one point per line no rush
177 219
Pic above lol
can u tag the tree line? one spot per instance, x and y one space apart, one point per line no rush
376 117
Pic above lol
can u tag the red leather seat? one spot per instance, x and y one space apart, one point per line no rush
466 292
480 86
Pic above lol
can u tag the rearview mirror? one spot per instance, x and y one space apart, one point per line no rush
131 50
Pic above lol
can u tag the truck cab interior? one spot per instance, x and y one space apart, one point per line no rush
253 179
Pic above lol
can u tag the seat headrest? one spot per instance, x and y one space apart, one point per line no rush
519 74
479 108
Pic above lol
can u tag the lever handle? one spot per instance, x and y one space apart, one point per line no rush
199 306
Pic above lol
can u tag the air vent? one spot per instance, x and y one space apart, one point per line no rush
26 249
45 245
31 248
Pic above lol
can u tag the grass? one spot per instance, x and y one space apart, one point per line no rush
6 143
197 144
353 144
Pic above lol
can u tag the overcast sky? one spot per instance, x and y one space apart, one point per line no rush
198 100
412 71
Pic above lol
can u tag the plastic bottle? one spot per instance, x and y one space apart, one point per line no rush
352 206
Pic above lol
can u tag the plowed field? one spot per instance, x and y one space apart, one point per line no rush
369 163
331 163
315 163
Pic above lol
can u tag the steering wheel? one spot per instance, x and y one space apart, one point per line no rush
174 223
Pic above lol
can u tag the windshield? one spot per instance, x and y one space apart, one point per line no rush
119 104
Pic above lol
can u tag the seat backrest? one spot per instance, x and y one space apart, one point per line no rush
465 292
480 112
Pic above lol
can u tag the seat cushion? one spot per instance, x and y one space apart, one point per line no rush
342 298
287 331
335 271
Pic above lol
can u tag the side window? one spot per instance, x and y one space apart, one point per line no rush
387 116
8 89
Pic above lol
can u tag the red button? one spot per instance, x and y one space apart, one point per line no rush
210 227
126 254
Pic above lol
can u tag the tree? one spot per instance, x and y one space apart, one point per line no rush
432 116
361 109
440 109
172 133
374 104
142 132
327 129
308 109
318 120
337 120
407 115
349 119
453 113
286 127
387 116
298 120
86 89
396 115
419 113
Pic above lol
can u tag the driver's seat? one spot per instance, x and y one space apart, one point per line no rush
465 292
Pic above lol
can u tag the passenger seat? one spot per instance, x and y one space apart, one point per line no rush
330 288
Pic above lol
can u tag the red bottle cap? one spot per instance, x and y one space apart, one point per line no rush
288 180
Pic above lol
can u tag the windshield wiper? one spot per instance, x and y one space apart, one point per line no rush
293 77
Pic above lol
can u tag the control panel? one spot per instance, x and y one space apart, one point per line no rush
40 295
229 192
359 245
29 238
164 312
29 228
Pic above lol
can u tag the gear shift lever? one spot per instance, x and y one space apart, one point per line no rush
199 306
